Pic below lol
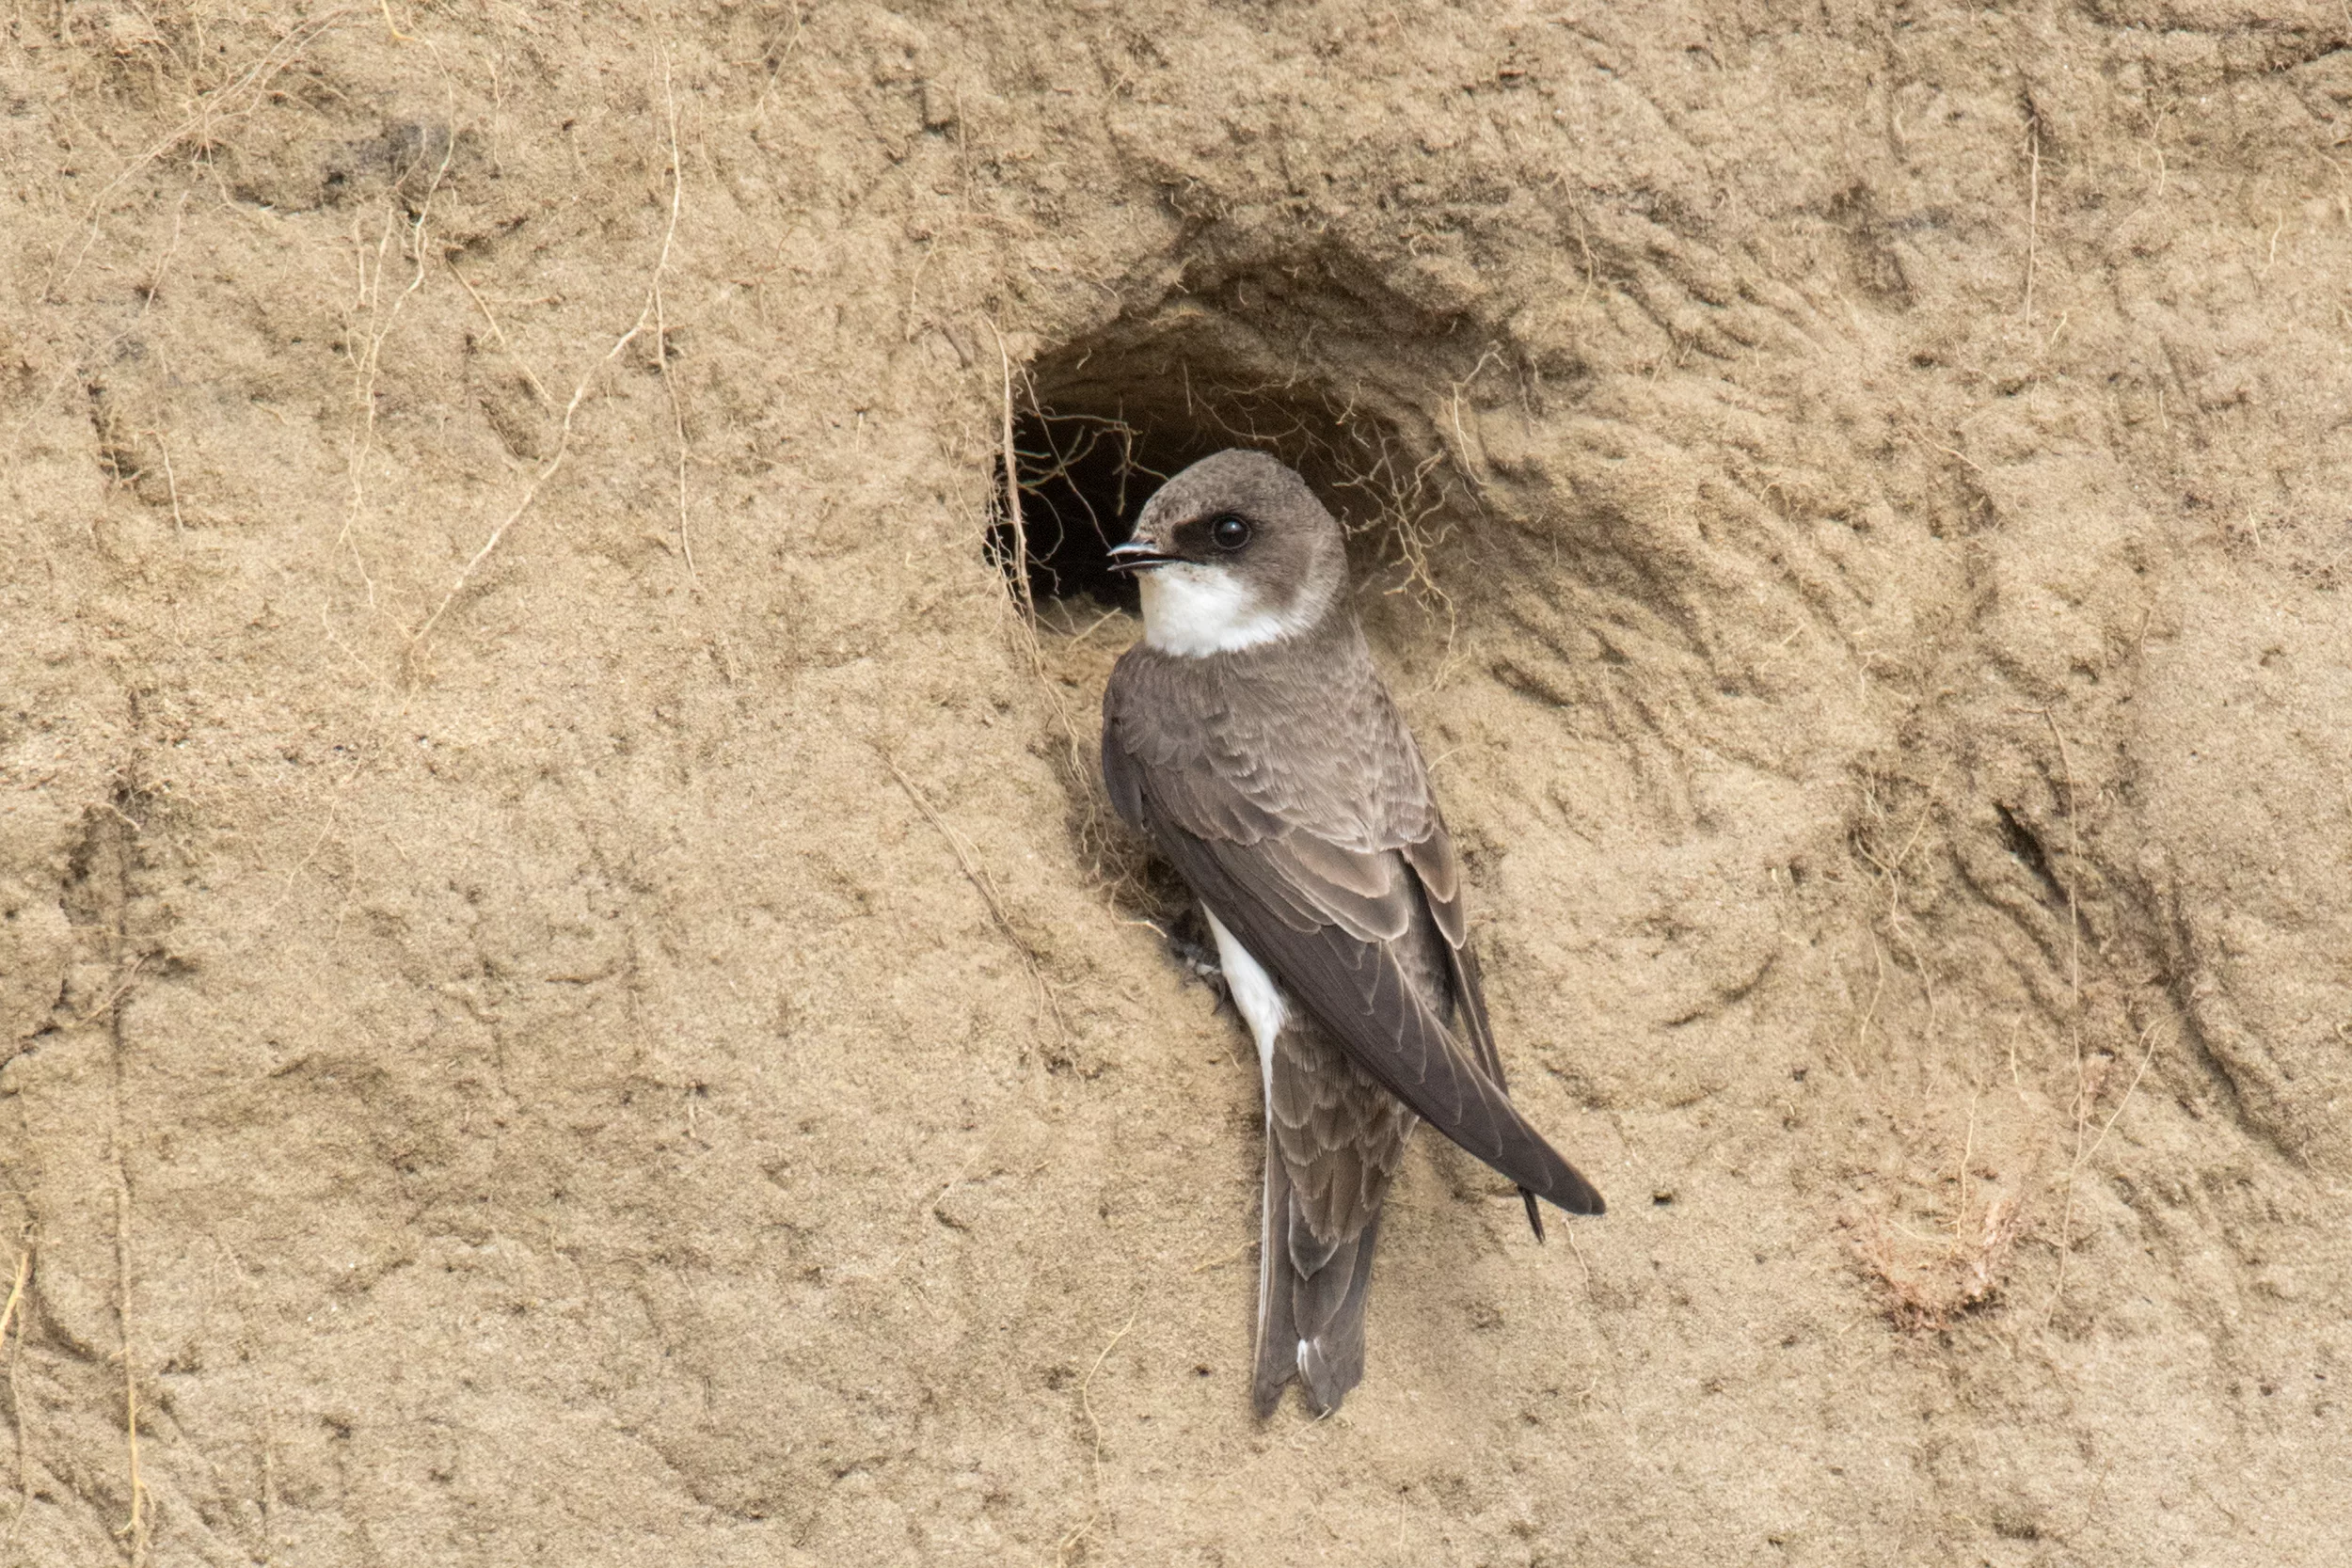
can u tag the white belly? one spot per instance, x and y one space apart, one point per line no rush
1266 1010
1261 1000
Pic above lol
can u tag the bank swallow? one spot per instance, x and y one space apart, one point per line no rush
1250 736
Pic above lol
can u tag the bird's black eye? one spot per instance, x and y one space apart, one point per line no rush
1229 533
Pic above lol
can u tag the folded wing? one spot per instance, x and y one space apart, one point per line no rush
1338 926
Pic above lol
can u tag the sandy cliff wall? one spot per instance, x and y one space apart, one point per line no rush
564 992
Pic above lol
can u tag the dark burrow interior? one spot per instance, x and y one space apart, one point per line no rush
1096 433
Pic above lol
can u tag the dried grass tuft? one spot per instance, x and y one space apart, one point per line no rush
1929 1282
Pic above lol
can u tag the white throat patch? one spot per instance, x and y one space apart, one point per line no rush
1194 610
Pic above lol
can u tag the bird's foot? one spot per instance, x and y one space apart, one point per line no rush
1195 952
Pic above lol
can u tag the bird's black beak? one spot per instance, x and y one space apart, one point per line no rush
1137 555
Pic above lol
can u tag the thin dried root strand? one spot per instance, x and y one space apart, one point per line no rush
1010 457
1024 601
968 861
369 361
661 336
239 97
548 470
16 1291
1086 1527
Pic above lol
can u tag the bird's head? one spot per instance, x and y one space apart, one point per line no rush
1232 553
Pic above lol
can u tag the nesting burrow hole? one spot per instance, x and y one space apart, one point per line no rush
1101 425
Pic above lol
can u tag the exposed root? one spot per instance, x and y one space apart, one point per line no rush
1010 457
137 1528
976 874
645 317
2033 207
2084 1091
661 334
242 96
16 1394
1076 1541
1078 775
368 360
498 335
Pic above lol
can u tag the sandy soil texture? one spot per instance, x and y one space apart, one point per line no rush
565 991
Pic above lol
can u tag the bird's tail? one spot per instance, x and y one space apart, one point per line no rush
1310 1302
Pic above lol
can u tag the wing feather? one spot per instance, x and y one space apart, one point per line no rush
1359 991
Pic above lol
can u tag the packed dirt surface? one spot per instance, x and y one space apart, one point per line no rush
567 991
